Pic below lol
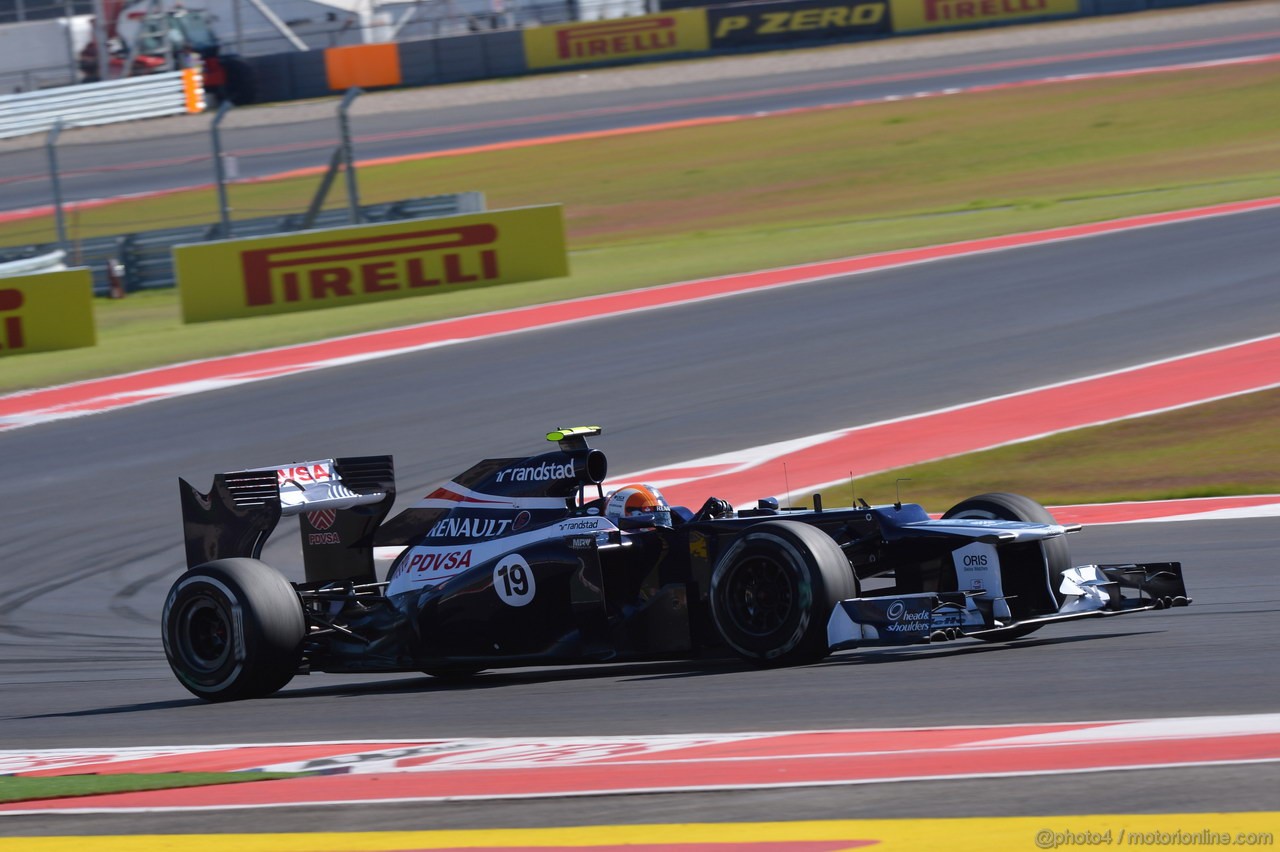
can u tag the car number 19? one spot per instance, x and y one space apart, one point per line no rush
513 580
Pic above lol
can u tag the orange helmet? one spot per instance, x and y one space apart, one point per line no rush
638 505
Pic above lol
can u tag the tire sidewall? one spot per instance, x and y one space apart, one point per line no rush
188 592
776 644
264 623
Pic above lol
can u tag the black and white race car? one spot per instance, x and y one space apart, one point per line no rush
528 561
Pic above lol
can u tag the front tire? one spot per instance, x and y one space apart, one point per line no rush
232 629
773 590
1003 506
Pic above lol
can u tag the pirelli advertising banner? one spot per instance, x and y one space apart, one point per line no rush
681 31
367 263
773 23
47 311
916 15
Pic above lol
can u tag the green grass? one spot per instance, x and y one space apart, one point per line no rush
652 208
1212 450
25 789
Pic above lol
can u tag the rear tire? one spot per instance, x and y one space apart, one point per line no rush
233 628
1003 506
774 589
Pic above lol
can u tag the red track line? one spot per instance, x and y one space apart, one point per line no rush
776 91
754 114
213 759
514 767
1029 62
1156 510
991 423
763 772
310 171
879 79
119 391
786 111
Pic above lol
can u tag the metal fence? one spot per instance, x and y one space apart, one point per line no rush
84 167
16 11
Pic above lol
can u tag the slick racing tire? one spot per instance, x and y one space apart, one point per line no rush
1003 506
232 629
773 590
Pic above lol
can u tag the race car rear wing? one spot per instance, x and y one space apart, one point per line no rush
339 502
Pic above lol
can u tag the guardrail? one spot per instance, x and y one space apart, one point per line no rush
51 262
170 93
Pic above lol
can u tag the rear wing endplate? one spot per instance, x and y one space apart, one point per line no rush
340 503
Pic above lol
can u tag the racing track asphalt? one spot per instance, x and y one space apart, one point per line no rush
91 538
270 140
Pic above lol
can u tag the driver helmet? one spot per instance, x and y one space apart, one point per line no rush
637 505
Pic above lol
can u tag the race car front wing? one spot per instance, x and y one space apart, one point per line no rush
1086 591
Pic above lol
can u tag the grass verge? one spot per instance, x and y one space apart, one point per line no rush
1212 450
26 789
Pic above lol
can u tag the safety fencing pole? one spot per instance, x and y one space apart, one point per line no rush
220 169
322 191
103 54
344 125
55 180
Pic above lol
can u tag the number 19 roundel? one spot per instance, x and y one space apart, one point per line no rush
513 580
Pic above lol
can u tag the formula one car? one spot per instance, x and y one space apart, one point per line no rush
528 561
